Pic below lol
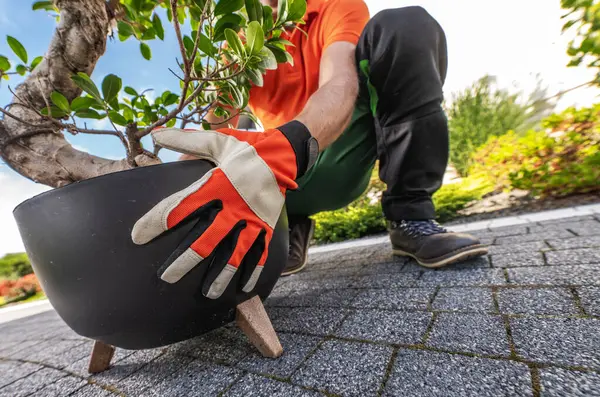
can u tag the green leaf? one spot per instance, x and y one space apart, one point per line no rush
268 60
117 118
59 100
158 27
149 34
206 46
43 5
137 5
111 85
254 10
145 50
150 114
255 76
131 91
82 103
297 9
125 30
188 43
206 125
280 55
128 114
234 42
4 63
255 38
171 123
170 99
228 6
36 61
89 114
267 18
85 83
54 112
231 21
17 48
21 69
282 11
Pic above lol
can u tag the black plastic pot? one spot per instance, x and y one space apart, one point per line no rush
103 285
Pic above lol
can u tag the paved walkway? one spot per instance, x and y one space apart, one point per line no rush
523 321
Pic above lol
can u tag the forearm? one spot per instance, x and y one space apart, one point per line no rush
329 110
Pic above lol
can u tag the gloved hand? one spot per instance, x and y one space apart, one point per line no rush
245 194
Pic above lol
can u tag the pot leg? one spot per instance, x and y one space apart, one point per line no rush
100 358
254 321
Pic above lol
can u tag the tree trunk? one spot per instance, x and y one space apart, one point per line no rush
78 42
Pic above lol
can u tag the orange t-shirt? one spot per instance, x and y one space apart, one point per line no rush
287 89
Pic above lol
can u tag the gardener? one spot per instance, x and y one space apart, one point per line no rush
360 89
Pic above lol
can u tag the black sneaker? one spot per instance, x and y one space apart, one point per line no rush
301 232
431 245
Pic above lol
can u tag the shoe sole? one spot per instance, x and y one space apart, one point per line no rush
305 260
473 252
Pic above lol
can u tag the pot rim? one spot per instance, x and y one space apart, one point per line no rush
39 196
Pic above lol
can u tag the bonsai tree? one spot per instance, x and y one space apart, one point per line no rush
232 44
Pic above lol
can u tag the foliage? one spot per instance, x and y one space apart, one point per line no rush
15 265
482 110
23 287
561 161
231 46
584 17
454 197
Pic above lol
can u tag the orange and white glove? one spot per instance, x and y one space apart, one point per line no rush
245 194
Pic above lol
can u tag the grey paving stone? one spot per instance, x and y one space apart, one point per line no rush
580 256
315 321
464 299
295 350
196 379
154 372
481 262
501 231
316 273
33 382
345 368
462 278
555 275
590 299
403 298
385 326
558 382
62 387
536 301
123 368
424 374
539 236
585 228
223 345
575 242
532 246
518 259
319 297
567 341
11 371
277 297
383 268
567 220
398 280
469 332
20 348
256 386
92 391
68 357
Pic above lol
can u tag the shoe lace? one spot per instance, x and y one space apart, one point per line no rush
419 228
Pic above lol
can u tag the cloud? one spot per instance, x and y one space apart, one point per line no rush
15 189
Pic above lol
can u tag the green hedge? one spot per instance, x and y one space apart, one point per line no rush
15 266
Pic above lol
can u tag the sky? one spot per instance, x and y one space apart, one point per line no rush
514 40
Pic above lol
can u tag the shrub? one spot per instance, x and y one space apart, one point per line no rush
454 197
15 265
6 287
482 111
561 161
24 287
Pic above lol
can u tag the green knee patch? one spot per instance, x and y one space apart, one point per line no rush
366 70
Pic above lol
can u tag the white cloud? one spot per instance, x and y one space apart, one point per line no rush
15 189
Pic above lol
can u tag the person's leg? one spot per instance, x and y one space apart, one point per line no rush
403 58
340 175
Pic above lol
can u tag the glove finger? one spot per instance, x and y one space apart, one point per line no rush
204 144
221 271
245 241
251 266
178 266
167 213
